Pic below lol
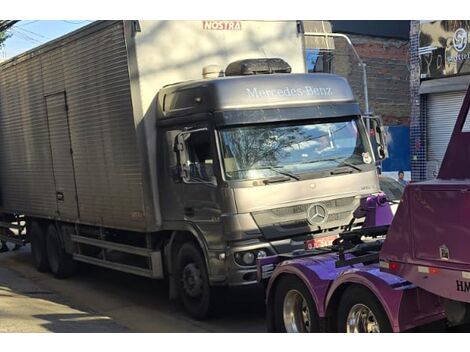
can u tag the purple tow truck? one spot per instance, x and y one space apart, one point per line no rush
391 275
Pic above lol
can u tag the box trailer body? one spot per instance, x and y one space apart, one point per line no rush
102 151
78 114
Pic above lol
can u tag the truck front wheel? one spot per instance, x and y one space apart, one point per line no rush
360 311
193 283
38 247
61 263
294 307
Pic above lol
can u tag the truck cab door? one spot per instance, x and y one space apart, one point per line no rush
190 185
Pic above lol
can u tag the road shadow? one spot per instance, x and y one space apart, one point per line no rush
134 301
26 307
79 322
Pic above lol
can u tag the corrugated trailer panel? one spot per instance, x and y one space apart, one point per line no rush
26 166
72 92
107 169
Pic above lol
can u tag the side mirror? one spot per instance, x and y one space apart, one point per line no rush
179 148
378 135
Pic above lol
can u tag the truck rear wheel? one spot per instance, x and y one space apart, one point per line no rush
38 247
360 311
294 307
193 282
61 263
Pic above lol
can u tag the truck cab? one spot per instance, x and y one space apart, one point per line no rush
255 164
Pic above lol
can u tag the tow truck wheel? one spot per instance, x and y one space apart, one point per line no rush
294 308
193 282
38 247
61 263
360 311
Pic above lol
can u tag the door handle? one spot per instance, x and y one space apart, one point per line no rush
189 211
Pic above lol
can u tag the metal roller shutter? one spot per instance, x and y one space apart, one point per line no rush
442 110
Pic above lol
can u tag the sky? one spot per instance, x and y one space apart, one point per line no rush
28 34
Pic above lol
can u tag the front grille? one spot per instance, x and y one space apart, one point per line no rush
292 220
346 205
288 211
339 216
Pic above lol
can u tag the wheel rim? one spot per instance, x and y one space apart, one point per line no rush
361 319
296 313
192 280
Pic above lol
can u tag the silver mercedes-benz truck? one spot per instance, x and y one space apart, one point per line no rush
105 160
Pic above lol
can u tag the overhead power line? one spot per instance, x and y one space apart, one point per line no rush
24 36
24 23
31 32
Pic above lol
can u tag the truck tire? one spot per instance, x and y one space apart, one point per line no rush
294 309
198 298
61 263
360 311
38 247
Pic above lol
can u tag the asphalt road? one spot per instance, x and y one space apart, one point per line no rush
101 300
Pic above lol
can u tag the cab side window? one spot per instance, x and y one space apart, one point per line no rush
199 162
191 158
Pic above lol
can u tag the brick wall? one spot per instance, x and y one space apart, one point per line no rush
387 74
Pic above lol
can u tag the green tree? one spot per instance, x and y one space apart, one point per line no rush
3 37
5 25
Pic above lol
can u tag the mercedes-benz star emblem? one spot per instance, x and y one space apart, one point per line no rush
460 39
317 214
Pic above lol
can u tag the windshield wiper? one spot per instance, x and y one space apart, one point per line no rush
333 159
276 169
285 173
350 165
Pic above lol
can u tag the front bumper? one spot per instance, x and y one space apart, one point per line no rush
228 272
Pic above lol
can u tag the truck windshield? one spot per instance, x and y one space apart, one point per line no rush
260 151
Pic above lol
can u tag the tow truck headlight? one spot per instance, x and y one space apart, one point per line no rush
248 258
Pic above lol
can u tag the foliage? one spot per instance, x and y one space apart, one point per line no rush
3 36
5 25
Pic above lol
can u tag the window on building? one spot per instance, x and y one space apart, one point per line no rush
319 60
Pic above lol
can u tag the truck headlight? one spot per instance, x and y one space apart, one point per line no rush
248 258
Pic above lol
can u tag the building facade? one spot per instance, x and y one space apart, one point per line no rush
384 47
439 77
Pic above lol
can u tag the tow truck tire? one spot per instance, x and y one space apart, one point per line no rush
198 297
38 247
359 301
61 263
294 309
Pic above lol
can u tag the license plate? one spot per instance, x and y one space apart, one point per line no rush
320 242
